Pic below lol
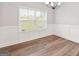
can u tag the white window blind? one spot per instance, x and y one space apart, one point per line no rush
30 19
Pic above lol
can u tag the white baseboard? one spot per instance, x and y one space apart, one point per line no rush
10 35
70 32
36 34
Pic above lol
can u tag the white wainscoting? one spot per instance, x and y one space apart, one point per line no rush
10 35
61 30
26 36
70 32
74 30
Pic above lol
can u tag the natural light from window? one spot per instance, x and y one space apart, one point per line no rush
30 19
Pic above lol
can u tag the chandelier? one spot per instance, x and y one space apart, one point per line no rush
54 5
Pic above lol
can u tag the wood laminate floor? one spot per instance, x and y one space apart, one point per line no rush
47 46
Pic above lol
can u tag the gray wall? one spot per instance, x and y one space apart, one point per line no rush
67 21
9 31
0 14
10 11
68 13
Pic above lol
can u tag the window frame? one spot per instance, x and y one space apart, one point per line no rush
45 27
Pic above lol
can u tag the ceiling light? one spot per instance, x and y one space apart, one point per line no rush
53 4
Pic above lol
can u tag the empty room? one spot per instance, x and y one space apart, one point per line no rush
39 28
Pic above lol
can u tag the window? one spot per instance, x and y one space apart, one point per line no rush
30 19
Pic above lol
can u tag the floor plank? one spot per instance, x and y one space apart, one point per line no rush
47 46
